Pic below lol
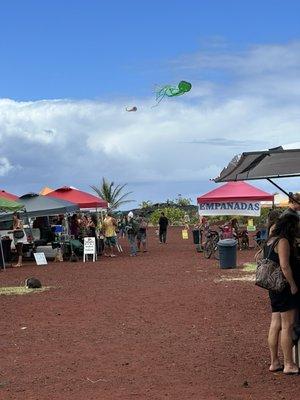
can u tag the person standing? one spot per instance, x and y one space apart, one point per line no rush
186 221
91 225
294 209
294 205
109 227
19 237
204 230
132 229
273 217
74 226
280 248
122 225
163 226
83 227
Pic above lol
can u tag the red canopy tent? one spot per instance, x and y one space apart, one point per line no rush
233 198
235 191
83 199
7 196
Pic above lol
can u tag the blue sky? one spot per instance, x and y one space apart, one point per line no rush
68 69
97 49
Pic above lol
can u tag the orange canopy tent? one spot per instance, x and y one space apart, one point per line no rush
45 191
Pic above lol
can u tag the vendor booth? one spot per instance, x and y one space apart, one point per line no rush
233 198
85 201
82 199
37 206
43 206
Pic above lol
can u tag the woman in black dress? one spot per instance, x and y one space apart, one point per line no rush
19 237
281 249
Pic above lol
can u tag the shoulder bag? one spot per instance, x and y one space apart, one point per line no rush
18 234
269 274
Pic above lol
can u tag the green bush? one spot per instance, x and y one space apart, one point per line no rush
175 215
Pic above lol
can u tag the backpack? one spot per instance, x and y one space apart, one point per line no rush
132 227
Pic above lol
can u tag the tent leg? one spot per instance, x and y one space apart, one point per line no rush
2 254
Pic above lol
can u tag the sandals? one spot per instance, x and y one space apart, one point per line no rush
279 369
291 373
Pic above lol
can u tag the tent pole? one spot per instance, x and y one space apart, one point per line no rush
2 254
278 187
96 233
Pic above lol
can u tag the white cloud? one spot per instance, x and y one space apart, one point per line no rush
5 166
189 138
256 59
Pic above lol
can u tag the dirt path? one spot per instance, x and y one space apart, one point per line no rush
163 325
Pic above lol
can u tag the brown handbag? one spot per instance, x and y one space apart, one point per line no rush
269 274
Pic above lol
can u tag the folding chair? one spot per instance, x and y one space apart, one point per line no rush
262 238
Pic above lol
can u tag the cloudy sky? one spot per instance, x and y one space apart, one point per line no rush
68 71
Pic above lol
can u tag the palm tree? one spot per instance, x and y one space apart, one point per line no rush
112 194
146 204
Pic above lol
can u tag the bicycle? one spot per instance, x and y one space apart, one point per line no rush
211 245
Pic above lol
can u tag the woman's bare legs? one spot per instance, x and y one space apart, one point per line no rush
273 340
287 321
19 248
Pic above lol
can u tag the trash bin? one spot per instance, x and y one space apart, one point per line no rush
196 236
227 252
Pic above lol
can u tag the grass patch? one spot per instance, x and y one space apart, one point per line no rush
20 290
246 278
249 267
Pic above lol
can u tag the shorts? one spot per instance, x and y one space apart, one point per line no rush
141 237
111 241
19 248
283 301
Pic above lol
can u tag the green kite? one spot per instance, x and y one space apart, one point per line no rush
172 91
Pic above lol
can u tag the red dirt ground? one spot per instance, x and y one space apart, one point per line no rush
158 326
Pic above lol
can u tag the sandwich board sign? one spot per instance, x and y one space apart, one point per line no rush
185 234
89 247
251 227
40 258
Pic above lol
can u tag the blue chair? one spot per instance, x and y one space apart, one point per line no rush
58 229
261 237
